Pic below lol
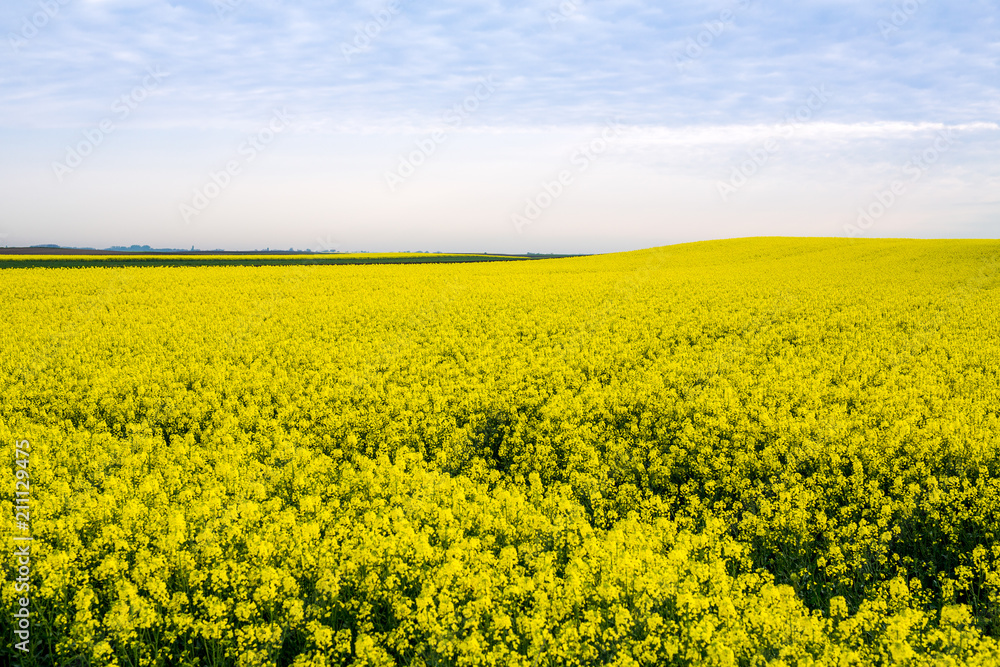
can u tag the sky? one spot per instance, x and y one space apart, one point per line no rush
563 126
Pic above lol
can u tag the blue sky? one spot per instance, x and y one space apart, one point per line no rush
572 126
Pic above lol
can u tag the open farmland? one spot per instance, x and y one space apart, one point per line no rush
759 451
66 258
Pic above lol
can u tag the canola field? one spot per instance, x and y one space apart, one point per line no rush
746 452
